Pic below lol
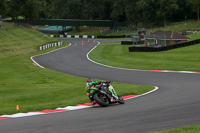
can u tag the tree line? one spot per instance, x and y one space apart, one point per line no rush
136 12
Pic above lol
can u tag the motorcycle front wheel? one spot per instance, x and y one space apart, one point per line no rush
101 99
121 100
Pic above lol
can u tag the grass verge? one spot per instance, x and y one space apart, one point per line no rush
180 59
191 129
32 88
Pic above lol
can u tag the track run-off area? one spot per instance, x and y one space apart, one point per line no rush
175 104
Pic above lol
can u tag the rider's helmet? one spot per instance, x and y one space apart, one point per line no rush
88 80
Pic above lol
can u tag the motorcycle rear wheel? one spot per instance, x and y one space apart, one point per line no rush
101 99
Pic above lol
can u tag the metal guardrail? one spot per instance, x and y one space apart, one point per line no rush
89 36
74 36
131 42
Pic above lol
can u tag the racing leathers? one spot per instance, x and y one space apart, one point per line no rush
91 85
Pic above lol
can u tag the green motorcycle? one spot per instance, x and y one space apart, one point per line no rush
103 93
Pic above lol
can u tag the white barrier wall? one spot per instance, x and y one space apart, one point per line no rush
44 47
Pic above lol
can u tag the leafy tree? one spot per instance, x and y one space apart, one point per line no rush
132 14
144 8
14 8
27 8
30 9
182 12
3 7
42 8
108 8
98 9
196 6
62 9
118 12
136 12
167 8
141 11
51 7
73 10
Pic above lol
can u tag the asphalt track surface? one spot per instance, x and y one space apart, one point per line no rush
175 104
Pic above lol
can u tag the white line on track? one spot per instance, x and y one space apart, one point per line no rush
104 64
156 88
44 54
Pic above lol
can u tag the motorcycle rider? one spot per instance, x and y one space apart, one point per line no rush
90 84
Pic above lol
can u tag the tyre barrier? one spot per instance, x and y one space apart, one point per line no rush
74 36
158 49
44 47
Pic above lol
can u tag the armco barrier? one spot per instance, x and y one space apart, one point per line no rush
131 42
113 36
126 42
91 36
44 47
154 49
74 36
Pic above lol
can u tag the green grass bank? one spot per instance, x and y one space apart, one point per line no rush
190 129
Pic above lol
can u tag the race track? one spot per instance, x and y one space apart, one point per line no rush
175 104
